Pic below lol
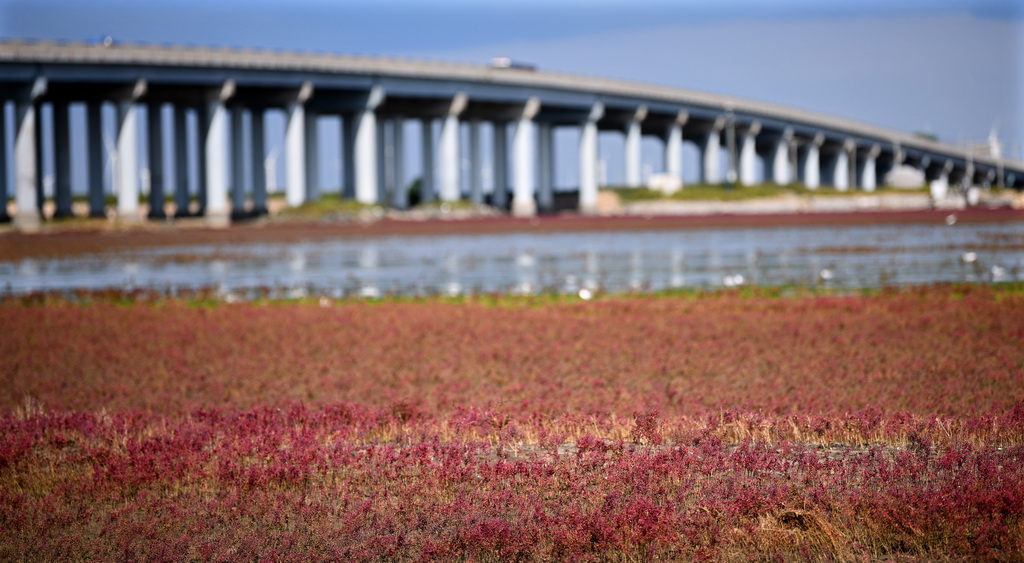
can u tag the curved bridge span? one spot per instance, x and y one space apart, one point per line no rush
222 89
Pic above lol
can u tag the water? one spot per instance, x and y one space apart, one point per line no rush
526 263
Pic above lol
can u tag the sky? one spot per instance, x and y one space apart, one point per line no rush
952 68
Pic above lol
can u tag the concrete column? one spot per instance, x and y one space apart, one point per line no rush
448 153
202 124
781 170
126 176
476 183
546 169
155 137
633 156
811 164
237 163
748 154
401 194
523 151
348 133
295 155
312 156
939 187
62 160
94 158
588 160
365 148
384 183
365 157
841 170
499 195
258 146
181 199
26 169
4 217
868 173
711 170
427 192
674 150
215 145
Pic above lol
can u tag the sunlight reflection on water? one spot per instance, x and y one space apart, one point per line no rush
526 263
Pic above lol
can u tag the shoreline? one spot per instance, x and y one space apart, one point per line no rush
100 235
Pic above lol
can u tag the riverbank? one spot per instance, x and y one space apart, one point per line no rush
82 236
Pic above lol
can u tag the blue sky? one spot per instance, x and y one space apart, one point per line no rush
952 67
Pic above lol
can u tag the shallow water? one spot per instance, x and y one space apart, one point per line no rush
842 256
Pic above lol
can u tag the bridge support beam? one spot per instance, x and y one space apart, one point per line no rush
311 159
258 154
810 162
450 187
748 154
155 138
295 148
674 150
867 173
215 143
181 195
126 176
523 149
499 193
94 158
588 160
634 153
61 160
26 165
711 147
4 216
546 167
427 191
476 183
782 173
237 163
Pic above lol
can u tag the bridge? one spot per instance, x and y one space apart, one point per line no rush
228 92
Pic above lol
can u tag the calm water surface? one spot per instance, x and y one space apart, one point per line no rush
846 256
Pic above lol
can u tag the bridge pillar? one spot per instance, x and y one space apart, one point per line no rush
258 155
126 176
383 160
841 168
939 187
295 148
400 198
674 150
588 160
634 154
809 162
523 151
365 151
4 216
26 164
348 141
866 169
499 194
311 158
61 160
94 158
237 163
545 161
476 186
711 146
155 138
781 167
748 154
427 192
181 195
215 143
450 188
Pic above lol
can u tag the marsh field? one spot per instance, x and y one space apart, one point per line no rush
728 424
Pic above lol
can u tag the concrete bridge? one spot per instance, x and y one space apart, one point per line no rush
227 92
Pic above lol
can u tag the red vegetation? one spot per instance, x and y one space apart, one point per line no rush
721 427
